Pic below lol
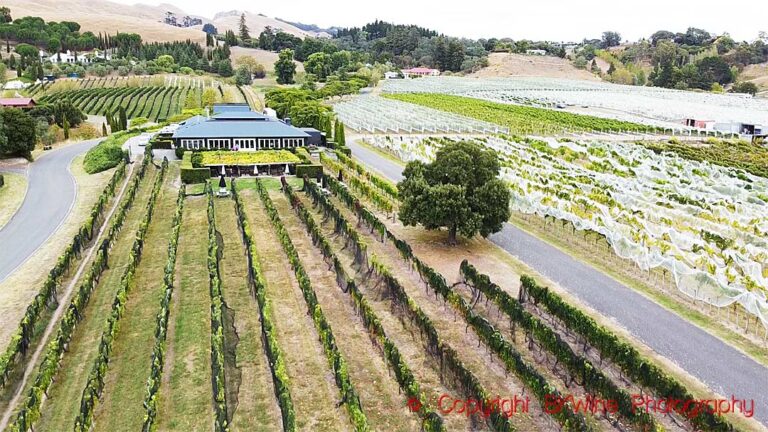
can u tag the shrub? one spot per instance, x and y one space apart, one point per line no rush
103 157
138 121
179 152
2 181
311 171
190 175
107 154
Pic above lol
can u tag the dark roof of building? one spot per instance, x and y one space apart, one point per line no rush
238 129
240 115
230 107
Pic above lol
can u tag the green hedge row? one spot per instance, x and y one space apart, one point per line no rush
217 320
431 421
191 175
568 418
623 354
335 360
271 347
22 338
30 411
591 378
312 171
161 327
95 384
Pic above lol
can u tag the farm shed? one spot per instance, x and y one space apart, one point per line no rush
21 103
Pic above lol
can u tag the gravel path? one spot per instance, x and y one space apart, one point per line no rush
724 369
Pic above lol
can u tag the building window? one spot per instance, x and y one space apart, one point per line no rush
293 142
265 143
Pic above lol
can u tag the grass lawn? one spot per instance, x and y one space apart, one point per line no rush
253 405
186 401
313 390
12 194
63 405
121 402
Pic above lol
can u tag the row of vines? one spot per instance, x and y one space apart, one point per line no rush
30 411
154 102
23 336
512 359
95 383
335 360
161 327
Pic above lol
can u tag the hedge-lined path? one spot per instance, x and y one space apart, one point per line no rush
256 406
382 400
186 401
121 406
313 390
50 196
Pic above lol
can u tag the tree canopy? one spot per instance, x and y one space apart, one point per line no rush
459 191
285 67
19 131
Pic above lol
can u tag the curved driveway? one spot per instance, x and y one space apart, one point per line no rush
50 196
724 369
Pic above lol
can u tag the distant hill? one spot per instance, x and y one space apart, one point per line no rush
109 17
502 65
256 23
314 28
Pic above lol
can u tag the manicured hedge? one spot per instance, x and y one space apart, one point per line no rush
191 175
312 171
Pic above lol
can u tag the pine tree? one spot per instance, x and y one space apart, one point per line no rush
244 29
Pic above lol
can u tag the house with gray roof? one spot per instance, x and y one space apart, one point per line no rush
236 127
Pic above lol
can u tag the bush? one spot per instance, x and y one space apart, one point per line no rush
2 181
179 152
103 157
311 171
138 121
107 154
190 175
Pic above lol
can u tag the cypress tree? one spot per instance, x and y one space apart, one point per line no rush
342 138
66 128
103 129
123 119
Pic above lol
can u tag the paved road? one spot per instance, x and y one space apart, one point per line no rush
50 196
724 369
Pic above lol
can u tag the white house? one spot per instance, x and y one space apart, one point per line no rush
14 85
419 72
539 52
84 58
391 75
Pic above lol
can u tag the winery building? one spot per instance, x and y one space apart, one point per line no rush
236 127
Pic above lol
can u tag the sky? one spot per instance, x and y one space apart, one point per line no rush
555 20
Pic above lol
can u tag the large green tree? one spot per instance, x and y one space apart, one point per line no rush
459 191
285 67
20 131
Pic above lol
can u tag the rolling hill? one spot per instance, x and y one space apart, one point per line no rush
502 65
109 17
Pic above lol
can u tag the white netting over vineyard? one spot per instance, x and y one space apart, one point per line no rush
375 114
651 103
705 225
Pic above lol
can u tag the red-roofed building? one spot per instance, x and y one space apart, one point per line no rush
420 72
21 103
